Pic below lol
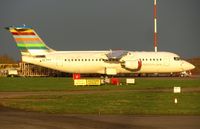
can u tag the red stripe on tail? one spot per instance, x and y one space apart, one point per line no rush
23 33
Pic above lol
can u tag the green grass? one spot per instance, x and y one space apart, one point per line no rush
112 103
60 84
129 101
35 84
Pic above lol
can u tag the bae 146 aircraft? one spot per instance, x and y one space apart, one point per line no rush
35 51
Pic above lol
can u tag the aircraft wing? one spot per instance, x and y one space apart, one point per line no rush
116 54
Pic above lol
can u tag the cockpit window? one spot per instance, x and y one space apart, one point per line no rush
177 58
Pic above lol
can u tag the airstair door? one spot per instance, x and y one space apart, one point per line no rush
59 61
166 62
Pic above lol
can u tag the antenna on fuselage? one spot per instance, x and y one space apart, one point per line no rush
155 27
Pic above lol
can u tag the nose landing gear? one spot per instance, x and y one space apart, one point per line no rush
186 74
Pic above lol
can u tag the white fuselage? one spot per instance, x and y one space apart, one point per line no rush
96 62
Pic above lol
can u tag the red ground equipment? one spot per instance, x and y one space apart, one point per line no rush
115 81
76 76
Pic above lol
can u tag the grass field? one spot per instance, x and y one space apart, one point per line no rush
149 96
60 84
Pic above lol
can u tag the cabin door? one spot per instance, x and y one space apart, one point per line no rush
166 62
59 61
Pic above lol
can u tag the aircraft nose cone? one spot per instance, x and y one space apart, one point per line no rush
188 66
192 66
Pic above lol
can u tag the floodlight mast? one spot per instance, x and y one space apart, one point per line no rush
155 27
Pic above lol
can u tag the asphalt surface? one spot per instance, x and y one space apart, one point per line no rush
17 119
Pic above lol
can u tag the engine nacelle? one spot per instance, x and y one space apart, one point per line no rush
133 64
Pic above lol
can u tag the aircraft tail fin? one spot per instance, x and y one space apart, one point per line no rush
28 42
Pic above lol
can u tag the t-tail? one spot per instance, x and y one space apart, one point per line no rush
28 42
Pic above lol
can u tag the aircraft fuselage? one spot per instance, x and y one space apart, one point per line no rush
97 62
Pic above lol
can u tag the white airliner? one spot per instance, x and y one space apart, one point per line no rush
35 51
